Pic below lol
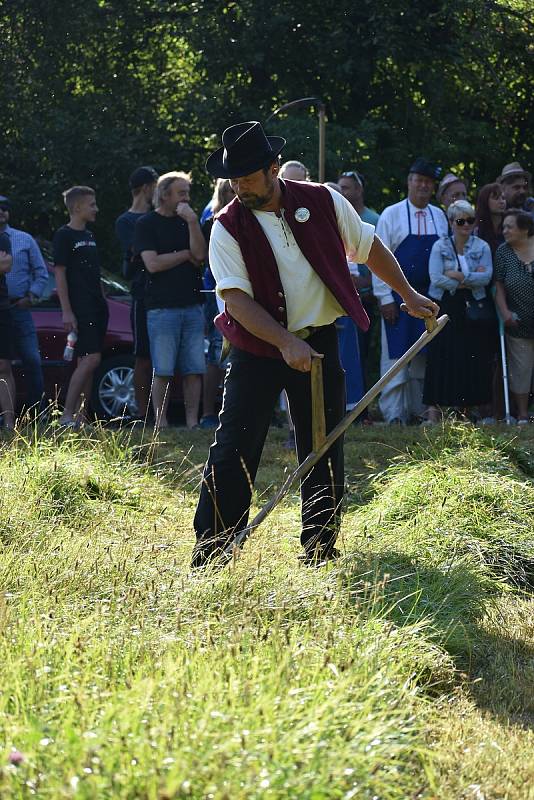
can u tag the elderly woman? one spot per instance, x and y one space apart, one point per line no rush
514 282
459 362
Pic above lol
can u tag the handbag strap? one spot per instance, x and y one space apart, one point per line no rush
456 253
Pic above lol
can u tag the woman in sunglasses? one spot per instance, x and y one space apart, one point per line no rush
514 282
459 373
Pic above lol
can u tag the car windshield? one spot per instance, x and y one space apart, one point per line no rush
113 285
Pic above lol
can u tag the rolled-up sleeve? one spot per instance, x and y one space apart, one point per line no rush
226 262
357 235
381 290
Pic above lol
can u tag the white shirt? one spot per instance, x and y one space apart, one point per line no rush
464 265
392 228
308 300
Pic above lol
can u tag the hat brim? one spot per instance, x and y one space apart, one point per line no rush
217 169
514 174
442 189
426 173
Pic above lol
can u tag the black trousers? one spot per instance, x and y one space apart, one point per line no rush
251 389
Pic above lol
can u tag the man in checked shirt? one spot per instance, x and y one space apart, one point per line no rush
26 283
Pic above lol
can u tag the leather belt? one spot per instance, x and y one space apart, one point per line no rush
305 333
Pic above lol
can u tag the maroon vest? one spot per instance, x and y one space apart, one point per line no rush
319 241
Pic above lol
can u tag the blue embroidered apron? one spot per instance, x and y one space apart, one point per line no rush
413 255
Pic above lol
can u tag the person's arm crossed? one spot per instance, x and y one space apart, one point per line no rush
145 245
482 274
440 276
164 261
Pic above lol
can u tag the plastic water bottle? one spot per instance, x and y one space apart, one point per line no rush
68 353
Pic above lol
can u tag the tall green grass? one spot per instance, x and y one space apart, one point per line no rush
123 675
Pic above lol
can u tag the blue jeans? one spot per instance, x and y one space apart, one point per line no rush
27 347
176 338
349 352
214 337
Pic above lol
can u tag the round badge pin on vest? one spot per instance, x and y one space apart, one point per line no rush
302 214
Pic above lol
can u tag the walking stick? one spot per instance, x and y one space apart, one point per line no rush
504 362
433 328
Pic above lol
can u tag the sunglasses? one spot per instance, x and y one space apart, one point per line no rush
467 221
355 175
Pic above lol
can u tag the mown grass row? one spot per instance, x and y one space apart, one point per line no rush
125 676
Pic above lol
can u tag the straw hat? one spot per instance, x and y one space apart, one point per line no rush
512 171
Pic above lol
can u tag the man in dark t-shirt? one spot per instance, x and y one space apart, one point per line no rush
7 384
172 248
142 184
85 311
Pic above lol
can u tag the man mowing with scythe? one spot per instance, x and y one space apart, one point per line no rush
278 253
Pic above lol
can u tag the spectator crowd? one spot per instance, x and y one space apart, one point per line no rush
473 256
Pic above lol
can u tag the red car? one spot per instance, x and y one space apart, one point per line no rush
113 392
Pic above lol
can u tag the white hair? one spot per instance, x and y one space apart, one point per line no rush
460 207
294 165
166 180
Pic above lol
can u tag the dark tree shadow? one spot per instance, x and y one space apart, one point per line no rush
496 669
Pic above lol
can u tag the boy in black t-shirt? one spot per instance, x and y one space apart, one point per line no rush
84 306
7 384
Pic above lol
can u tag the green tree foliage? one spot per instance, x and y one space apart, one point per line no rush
91 91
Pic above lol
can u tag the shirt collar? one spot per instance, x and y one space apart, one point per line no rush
415 209
468 245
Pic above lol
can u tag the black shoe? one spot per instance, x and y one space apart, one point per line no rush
213 554
319 556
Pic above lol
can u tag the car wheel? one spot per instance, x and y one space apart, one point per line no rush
113 388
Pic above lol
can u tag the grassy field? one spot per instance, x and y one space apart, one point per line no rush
405 671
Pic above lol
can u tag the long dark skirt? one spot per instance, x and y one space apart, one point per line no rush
460 359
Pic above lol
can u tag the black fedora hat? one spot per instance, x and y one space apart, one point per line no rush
426 168
245 149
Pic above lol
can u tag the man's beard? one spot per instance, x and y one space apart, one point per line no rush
518 200
255 202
